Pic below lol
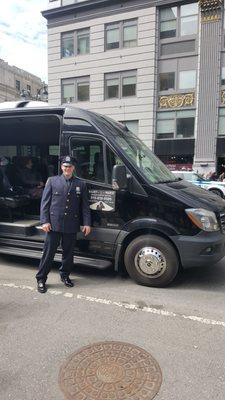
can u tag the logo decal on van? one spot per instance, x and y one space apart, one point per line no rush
102 200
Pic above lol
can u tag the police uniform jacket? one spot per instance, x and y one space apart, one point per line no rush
65 204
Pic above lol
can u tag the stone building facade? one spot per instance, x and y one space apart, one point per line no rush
14 81
157 66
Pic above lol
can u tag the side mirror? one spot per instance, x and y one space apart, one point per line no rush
119 177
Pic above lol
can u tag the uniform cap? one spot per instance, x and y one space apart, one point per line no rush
67 160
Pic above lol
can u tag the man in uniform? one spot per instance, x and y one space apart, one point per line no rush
63 198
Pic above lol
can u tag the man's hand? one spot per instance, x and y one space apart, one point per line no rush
46 227
86 230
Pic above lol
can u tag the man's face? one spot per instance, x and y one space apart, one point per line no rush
67 170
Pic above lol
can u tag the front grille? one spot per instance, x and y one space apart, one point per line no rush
222 221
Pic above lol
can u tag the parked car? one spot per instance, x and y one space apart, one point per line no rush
216 187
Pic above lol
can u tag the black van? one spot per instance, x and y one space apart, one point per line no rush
144 219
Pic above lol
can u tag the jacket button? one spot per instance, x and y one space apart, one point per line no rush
68 193
67 200
65 214
66 206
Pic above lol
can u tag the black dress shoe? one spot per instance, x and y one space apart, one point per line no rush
41 287
67 282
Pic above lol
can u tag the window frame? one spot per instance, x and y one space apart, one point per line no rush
177 66
121 25
75 81
175 119
124 122
119 75
18 87
221 74
168 90
178 80
220 110
75 35
92 137
177 89
178 24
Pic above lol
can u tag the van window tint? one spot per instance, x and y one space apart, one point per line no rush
143 159
89 156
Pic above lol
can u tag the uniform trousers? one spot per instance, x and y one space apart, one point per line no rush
51 244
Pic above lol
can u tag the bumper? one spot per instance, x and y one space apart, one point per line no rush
203 249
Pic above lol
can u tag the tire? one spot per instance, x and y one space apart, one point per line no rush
151 260
216 191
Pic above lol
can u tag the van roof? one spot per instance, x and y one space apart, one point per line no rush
22 107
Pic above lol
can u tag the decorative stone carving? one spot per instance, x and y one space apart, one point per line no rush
177 100
222 96
210 10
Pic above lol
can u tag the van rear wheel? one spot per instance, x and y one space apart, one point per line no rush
151 260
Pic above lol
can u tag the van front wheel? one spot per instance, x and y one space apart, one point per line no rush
151 260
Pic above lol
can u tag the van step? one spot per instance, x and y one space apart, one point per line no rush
19 227
85 261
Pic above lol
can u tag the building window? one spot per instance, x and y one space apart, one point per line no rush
121 34
83 41
187 79
167 81
223 76
29 88
189 19
188 46
120 84
224 16
131 125
128 86
168 22
175 124
74 90
73 43
112 36
179 21
82 91
130 33
18 86
221 127
67 44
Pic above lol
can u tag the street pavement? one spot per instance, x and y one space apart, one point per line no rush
182 327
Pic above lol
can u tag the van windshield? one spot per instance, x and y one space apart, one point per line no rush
142 157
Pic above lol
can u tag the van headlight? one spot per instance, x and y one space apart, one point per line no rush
203 219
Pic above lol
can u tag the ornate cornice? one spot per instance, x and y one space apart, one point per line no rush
177 100
222 96
210 10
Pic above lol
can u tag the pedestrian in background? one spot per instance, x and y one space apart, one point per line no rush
63 198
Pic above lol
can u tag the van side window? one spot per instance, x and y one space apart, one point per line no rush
89 156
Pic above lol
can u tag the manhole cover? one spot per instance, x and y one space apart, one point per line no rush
110 371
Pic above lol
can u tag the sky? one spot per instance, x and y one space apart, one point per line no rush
23 35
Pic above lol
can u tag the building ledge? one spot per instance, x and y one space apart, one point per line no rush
95 4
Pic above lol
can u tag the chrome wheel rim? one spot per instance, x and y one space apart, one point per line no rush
150 261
